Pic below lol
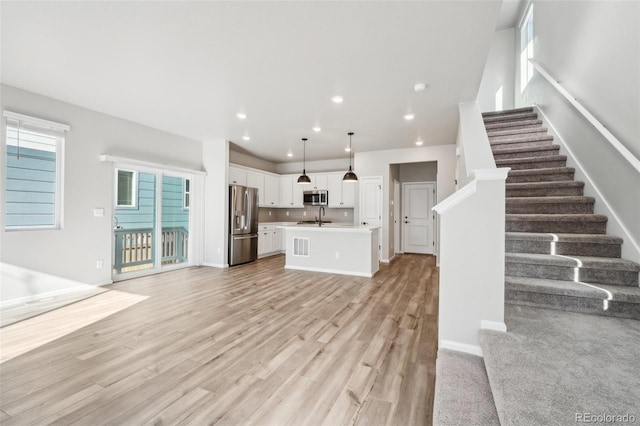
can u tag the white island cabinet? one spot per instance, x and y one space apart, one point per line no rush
333 248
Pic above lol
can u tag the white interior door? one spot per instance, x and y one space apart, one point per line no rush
371 205
397 248
417 221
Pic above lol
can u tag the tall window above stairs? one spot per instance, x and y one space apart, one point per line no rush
526 48
34 172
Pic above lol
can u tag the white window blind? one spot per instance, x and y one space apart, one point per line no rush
33 189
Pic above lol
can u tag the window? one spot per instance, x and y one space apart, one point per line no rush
33 190
187 192
526 48
126 188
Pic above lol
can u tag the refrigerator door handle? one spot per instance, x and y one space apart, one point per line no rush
246 237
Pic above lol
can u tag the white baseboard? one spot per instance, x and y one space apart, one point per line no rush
493 325
460 347
45 295
216 265
329 271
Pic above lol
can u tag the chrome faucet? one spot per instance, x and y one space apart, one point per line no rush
320 213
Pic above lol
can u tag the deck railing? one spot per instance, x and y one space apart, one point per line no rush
135 247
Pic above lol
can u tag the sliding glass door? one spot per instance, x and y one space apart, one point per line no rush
151 221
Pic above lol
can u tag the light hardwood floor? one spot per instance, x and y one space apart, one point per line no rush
252 344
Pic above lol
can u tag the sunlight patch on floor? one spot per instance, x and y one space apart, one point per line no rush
21 337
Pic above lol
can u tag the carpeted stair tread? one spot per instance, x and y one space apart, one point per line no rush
519 123
462 392
575 289
529 163
556 217
526 152
573 238
532 185
510 117
517 131
545 171
507 111
573 261
551 200
542 189
548 174
573 223
497 142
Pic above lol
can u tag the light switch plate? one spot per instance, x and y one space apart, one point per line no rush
98 212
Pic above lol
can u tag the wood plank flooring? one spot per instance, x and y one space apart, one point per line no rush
253 344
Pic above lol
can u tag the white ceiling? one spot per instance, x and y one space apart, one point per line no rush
510 14
189 67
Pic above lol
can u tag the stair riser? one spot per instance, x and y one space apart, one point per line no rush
572 304
526 154
564 248
526 137
496 146
533 131
510 117
541 177
545 192
585 275
519 124
577 227
507 112
547 208
533 165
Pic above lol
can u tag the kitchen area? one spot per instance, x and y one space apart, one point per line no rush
312 224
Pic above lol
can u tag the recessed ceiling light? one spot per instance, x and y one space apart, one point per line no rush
347 149
419 142
409 116
337 99
316 129
246 138
419 87
289 154
241 115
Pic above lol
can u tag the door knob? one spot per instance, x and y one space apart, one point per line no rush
406 221
364 223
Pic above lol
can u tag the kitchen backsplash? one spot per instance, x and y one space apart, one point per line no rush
295 215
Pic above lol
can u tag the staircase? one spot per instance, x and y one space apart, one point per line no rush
558 255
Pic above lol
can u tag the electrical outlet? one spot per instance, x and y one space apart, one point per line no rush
99 264
304 213
346 214
98 212
287 213
337 255
269 212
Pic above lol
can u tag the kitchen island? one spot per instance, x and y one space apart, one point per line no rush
334 248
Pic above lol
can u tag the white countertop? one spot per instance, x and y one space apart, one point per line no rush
330 227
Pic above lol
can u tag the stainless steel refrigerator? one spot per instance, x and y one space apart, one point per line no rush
243 224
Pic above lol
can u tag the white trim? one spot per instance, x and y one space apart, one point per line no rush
491 174
216 265
157 166
493 325
48 294
600 197
460 347
134 189
527 9
626 154
39 122
456 198
330 271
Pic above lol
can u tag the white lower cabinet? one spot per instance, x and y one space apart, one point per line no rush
269 240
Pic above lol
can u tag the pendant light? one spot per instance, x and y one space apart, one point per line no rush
304 179
350 176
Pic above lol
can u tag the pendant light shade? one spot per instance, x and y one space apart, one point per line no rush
350 176
304 179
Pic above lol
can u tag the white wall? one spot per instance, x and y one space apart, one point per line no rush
376 163
418 172
215 158
496 90
591 48
72 252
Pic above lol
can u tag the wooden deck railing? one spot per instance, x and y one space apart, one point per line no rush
135 247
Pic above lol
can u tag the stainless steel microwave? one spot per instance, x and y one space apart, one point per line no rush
316 198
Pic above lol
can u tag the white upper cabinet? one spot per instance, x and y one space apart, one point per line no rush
256 180
291 191
237 176
271 191
319 182
341 194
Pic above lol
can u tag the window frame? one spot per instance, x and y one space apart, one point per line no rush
134 190
186 193
526 47
48 128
